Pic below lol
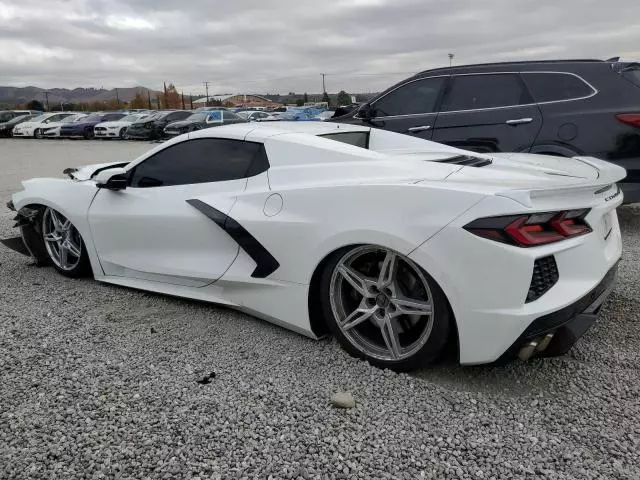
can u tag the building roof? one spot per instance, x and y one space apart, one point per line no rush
222 98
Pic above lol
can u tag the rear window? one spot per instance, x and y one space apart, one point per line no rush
357 139
552 87
632 73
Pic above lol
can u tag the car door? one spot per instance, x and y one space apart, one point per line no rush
412 108
488 113
152 231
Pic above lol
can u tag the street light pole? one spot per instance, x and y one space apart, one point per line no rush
451 55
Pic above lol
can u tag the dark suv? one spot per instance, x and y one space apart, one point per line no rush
564 108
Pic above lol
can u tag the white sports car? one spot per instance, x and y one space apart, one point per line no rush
396 245
117 128
34 127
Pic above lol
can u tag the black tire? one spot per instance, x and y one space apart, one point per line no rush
83 267
432 350
88 134
123 133
37 133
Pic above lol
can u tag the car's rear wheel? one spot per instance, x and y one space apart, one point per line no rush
64 245
123 133
37 133
383 307
88 134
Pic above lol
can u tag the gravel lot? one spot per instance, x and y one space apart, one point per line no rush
102 382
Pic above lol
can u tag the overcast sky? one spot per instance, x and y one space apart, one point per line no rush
277 46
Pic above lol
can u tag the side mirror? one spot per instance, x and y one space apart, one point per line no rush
367 112
112 179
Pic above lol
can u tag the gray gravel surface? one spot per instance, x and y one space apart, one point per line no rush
104 382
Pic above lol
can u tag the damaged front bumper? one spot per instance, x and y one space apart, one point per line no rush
30 240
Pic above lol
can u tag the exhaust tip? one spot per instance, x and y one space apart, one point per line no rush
536 345
526 352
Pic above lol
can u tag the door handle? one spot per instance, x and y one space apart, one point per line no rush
519 121
421 128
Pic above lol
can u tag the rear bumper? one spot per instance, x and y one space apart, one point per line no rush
567 324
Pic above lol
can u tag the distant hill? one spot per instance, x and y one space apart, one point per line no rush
15 95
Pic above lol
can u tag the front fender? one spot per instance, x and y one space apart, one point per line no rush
71 198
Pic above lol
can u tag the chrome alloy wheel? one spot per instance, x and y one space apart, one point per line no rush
62 240
382 303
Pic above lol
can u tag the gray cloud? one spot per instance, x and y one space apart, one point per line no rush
284 45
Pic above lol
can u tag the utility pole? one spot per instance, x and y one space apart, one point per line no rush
451 55
117 97
191 101
183 100
149 98
46 96
158 101
206 86
323 87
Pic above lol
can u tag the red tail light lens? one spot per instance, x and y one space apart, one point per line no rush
632 119
532 230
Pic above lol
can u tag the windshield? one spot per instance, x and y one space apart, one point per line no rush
73 118
93 118
40 118
131 118
197 117
21 118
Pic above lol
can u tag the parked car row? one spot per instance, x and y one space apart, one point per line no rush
138 125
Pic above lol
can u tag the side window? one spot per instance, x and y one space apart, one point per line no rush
419 96
200 161
473 92
550 87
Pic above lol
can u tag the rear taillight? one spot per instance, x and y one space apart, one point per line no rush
632 119
532 230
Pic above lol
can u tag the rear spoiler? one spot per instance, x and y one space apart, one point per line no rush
608 176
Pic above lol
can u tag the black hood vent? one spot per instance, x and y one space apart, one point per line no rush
467 161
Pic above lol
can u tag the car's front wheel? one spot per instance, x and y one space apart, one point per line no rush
88 134
123 133
64 245
383 307
37 133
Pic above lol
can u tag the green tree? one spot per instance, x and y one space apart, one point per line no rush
299 102
306 97
343 98
35 105
325 98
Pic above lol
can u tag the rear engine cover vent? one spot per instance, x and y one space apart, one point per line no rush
467 161
545 275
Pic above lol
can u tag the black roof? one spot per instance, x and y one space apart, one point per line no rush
501 66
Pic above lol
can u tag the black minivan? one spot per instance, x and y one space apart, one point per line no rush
559 107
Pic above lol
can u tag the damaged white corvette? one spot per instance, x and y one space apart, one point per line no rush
398 246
